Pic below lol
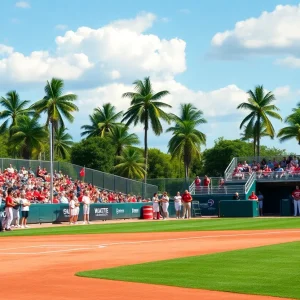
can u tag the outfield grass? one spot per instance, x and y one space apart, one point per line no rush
270 270
167 226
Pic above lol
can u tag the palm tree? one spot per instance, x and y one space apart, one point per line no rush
186 139
28 136
260 107
13 108
293 130
131 164
92 130
146 108
249 134
56 105
63 143
121 138
103 120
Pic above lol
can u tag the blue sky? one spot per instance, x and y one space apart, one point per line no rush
195 49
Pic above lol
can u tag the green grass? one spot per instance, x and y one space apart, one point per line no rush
271 270
167 226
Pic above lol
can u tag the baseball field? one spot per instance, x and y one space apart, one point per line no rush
180 259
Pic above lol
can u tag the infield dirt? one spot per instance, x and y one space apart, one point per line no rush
44 267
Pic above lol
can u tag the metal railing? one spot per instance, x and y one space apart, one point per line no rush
230 168
249 182
100 179
221 190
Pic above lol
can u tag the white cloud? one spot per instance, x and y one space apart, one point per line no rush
290 61
139 24
61 27
5 49
22 4
119 50
282 91
40 66
274 32
165 20
185 11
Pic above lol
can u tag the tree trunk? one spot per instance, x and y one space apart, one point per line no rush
258 137
146 154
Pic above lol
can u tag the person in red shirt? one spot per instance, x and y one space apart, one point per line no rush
253 197
296 197
187 200
9 210
206 183
197 184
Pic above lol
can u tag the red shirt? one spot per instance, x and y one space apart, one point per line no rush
197 182
9 201
253 197
296 194
55 201
187 197
206 182
80 198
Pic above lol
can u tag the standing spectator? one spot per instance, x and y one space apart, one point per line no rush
156 201
187 199
165 205
296 198
236 196
177 203
86 207
206 183
24 211
253 197
16 210
8 210
260 203
197 184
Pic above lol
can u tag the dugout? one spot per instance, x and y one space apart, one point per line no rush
273 193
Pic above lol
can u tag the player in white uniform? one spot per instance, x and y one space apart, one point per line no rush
165 204
155 200
72 209
178 204
86 207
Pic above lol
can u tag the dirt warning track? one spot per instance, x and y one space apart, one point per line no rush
43 267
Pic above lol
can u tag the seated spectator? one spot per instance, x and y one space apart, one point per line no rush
270 165
263 164
267 171
237 173
236 196
10 169
283 162
279 173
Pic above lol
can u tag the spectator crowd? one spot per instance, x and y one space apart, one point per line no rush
21 188
286 167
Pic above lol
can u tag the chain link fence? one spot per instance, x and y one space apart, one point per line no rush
100 179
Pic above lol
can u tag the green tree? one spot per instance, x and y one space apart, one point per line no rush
261 108
121 138
95 153
28 136
63 143
146 108
186 139
56 105
161 165
13 108
131 164
4 145
250 134
103 120
293 130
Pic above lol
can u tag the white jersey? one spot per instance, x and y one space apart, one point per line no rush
24 202
86 200
72 204
165 199
177 199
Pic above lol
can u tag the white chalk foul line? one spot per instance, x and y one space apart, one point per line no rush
93 247
199 237
52 251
